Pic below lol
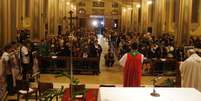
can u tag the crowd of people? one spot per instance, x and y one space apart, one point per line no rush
148 44
195 41
17 62
152 46
18 59
81 44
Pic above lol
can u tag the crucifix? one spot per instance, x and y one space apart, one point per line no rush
71 18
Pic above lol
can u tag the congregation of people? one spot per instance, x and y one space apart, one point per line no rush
83 44
149 48
17 59
17 62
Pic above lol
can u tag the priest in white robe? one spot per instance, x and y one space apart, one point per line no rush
191 71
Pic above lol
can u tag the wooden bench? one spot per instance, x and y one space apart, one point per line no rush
62 63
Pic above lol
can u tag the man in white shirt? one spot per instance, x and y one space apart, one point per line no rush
7 67
2 68
191 71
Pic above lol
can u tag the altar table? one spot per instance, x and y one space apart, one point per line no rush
143 94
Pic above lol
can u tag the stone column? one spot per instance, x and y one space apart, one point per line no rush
37 19
1 24
123 14
63 16
128 19
183 21
144 16
159 17
34 17
6 20
126 23
135 16
19 14
13 20
52 17
122 19
43 16
169 15
45 19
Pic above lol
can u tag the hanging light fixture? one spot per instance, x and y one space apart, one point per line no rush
67 3
149 2
129 8
124 9
138 5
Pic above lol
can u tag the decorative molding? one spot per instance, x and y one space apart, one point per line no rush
195 26
98 4
82 4
115 5
115 12
82 12
98 11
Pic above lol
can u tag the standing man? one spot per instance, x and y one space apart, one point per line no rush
191 71
132 63
6 60
25 60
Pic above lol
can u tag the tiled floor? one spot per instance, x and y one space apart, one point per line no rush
107 76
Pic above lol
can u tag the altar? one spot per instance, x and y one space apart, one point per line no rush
143 94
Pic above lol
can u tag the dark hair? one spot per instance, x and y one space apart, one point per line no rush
134 46
1 52
7 47
13 43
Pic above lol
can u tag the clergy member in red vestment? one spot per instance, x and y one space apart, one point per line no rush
132 64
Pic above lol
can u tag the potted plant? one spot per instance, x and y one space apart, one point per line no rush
78 90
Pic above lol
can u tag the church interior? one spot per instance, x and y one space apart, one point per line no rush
49 46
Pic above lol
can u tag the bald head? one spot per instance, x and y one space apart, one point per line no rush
190 52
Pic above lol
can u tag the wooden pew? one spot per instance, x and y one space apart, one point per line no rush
60 63
163 66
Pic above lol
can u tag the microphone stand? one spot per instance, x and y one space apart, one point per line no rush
154 93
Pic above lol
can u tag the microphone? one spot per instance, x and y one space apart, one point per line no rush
154 93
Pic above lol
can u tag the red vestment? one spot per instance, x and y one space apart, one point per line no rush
133 71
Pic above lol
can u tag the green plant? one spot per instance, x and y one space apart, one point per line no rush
75 81
168 83
50 94
75 86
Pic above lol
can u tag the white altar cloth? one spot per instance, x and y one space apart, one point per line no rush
143 94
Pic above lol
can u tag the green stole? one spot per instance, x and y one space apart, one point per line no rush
134 53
